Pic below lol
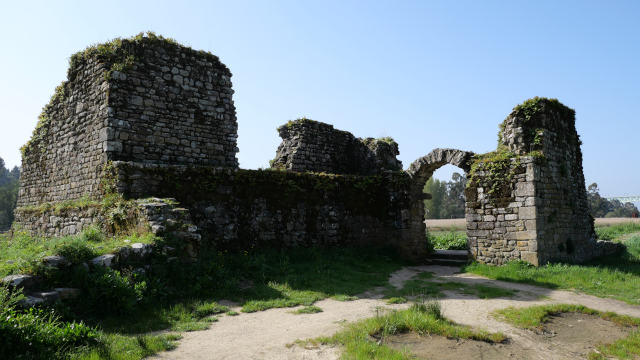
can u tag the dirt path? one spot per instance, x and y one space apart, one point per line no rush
269 334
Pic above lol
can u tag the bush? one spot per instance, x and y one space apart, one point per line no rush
37 333
452 240
109 292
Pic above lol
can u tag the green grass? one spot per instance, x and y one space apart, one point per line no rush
182 296
616 276
342 297
23 253
120 347
365 339
422 286
308 310
613 232
535 317
448 240
396 300
232 313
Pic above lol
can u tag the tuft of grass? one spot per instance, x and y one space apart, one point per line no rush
364 339
308 310
616 276
534 317
342 297
232 313
448 240
396 300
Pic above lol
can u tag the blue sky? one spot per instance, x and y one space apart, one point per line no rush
428 73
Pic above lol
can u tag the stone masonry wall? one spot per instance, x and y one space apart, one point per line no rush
527 201
171 105
565 229
501 214
51 223
309 145
144 99
244 209
64 157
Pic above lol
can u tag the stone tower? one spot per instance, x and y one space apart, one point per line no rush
528 201
146 100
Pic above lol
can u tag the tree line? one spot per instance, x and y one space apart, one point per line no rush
447 200
9 183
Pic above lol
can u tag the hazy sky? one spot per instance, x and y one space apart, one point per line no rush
427 73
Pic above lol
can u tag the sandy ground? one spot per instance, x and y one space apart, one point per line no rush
270 334
446 224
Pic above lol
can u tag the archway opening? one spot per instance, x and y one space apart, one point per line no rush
421 171
444 209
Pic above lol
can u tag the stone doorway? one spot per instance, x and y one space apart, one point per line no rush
421 171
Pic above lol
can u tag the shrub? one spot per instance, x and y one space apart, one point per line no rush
111 292
37 333
453 240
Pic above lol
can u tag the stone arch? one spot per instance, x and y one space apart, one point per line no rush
422 169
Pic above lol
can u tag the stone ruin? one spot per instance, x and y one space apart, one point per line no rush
309 145
145 118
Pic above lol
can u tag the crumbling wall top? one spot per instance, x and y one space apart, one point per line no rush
309 145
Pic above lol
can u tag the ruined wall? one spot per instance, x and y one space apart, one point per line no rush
309 145
171 105
144 99
244 209
64 157
565 226
52 223
527 201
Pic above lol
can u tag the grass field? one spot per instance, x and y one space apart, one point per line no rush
616 276
177 296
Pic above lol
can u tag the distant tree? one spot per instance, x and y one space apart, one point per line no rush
601 207
433 206
447 198
9 183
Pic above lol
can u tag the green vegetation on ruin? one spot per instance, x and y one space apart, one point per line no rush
23 254
535 317
365 339
117 54
300 121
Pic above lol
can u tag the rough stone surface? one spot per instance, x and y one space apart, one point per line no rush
540 191
243 209
146 113
56 224
19 281
309 145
